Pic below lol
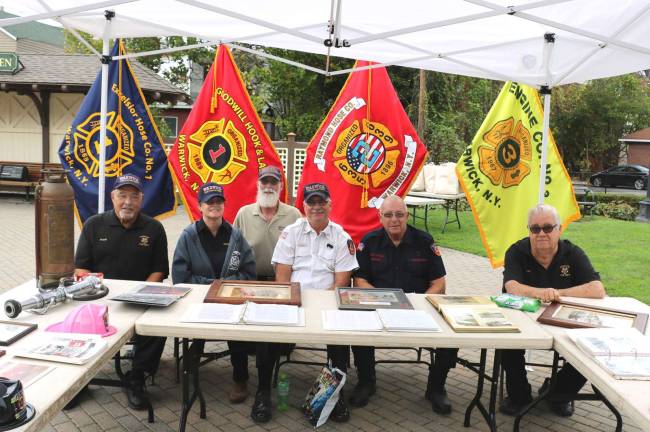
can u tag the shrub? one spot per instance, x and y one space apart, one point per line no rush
616 210
632 200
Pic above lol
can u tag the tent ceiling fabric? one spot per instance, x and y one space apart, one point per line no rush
488 39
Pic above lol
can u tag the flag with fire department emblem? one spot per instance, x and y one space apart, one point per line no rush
365 150
499 171
133 145
222 141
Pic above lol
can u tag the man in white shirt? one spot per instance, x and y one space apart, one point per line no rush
319 254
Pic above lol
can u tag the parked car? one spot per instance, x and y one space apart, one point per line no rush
631 176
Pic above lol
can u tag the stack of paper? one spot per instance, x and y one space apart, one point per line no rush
407 320
214 313
153 294
351 320
272 314
64 347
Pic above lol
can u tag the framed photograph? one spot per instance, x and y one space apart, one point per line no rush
372 298
236 292
574 315
11 331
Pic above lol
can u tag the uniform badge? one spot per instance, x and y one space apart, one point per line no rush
351 247
361 246
234 261
144 241
284 235
435 249
565 270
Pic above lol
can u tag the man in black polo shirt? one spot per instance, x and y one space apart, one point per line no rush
543 266
400 256
125 244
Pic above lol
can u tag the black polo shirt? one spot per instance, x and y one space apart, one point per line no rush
132 254
569 267
215 246
410 266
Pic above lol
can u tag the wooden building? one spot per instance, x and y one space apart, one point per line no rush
42 87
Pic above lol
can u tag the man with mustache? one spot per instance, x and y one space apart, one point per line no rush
123 243
261 223
319 254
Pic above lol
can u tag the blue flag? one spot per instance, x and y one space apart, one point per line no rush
133 145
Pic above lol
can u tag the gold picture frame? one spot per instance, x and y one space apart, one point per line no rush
237 292
575 315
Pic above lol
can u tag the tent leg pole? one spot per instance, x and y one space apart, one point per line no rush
545 129
102 118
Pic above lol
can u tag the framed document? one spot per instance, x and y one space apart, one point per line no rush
575 315
11 331
236 292
372 298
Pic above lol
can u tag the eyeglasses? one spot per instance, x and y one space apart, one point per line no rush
398 215
536 229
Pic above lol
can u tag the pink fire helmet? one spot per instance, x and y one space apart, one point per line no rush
89 318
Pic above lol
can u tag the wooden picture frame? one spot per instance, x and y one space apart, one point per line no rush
11 331
237 292
576 315
371 298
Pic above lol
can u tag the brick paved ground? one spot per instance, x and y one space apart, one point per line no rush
398 404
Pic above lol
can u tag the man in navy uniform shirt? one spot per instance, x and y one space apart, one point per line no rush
543 266
400 256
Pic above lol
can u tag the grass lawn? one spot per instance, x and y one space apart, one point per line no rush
618 250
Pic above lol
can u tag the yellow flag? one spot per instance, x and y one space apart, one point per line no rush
499 171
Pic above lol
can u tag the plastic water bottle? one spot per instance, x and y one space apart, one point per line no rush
283 392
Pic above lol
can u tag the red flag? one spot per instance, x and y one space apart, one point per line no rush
365 150
222 141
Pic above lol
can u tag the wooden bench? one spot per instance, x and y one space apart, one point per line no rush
32 178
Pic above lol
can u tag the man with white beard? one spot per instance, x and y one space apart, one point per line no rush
263 221
261 224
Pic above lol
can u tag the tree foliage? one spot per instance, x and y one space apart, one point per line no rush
588 120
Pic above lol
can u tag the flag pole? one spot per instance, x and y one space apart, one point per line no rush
549 40
106 59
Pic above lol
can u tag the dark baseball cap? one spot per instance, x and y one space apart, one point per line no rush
210 190
128 180
270 171
316 189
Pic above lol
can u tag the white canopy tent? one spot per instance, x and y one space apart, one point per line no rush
542 43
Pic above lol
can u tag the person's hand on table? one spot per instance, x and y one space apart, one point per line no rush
548 295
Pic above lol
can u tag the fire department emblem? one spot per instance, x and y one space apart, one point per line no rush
217 152
506 157
366 153
119 144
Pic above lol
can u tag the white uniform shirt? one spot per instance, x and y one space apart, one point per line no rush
314 258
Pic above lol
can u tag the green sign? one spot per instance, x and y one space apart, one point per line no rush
9 63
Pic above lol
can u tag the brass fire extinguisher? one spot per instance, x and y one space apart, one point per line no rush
54 229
